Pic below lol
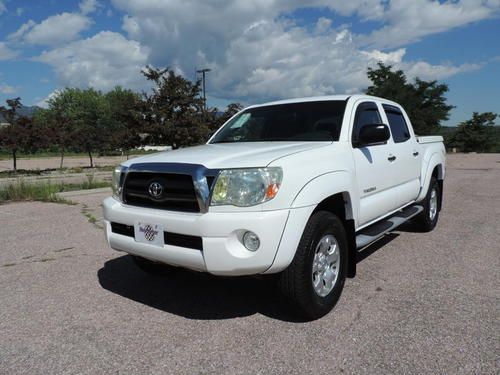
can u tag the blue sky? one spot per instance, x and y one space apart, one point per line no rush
258 50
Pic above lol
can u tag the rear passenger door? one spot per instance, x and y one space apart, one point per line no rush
405 150
374 175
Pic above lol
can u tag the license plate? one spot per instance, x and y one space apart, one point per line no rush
149 233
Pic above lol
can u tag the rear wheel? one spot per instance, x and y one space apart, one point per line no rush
314 280
428 218
153 268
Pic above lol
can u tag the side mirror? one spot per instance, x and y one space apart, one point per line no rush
373 134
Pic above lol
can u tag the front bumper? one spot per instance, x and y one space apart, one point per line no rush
223 252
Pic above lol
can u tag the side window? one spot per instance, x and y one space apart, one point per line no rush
366 113
397 123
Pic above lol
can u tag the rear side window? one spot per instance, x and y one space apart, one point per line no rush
397 123
366 113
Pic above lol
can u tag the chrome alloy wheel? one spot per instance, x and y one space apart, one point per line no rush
433 204
325 266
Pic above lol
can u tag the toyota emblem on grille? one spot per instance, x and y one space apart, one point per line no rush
155 189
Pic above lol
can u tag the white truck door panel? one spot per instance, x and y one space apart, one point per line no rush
374 174
406 166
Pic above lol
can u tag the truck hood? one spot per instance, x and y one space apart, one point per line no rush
230 155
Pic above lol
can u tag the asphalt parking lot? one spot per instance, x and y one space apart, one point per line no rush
421 303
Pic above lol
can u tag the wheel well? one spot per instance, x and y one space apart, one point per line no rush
336 204
438 172
340 205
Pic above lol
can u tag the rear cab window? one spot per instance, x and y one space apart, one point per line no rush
397 123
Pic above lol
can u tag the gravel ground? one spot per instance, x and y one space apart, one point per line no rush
421 303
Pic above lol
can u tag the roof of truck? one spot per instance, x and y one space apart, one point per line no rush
317 99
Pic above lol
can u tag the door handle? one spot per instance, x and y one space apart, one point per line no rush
391 158
415 153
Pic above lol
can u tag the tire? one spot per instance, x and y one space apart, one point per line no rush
428 218
297 282
150 267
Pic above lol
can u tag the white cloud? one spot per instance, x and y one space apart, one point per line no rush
323 24
3 8
257 52
19 11
190 25
255 49
44 103
386 57
6 89
19 33
88 6
103 61
54 30
425 70
421 69
409 21
6 53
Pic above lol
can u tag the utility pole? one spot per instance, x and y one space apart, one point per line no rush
203 71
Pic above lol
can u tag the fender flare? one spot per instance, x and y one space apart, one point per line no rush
302 207
314 191
435 160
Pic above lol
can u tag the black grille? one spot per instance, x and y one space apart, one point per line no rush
124 230
178 191
173 239
183 240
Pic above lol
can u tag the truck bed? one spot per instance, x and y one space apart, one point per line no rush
429 139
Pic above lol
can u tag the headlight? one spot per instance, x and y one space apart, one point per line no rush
246 187
117 181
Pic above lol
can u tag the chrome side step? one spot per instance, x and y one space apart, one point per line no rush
376 231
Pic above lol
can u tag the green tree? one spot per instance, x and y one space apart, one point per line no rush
92 131
125 121
424 101
230 111
58 121
476 134
78 120
19 135
215 119
174 111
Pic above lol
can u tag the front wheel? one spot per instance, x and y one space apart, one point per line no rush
428 218
314 280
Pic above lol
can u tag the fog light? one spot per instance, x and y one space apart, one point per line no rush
251 241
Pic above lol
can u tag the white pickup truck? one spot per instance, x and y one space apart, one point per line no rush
295 188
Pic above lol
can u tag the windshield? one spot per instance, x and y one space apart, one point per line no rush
306 121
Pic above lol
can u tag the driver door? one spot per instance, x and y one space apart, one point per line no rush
373 169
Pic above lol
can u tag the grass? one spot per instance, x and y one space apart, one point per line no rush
49 171
90 218
44 192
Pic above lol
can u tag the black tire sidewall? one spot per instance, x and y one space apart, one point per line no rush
428 223
329 224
